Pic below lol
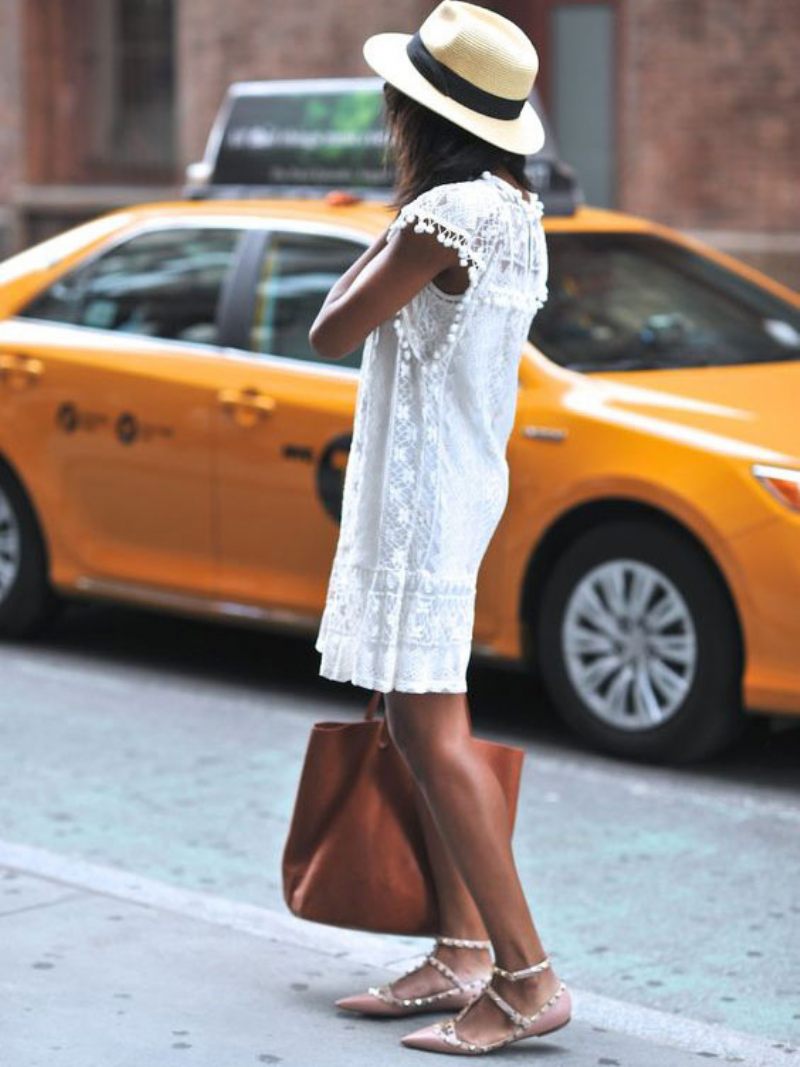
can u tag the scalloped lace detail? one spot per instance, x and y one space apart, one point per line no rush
426 481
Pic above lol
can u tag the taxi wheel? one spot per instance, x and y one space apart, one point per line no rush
26 600
639 646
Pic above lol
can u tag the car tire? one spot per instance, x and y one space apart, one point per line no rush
27 601
650 706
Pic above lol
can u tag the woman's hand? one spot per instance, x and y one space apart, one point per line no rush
377 285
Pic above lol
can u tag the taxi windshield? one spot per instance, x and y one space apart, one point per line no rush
629 301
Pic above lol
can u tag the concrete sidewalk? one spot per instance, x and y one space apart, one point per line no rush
101 968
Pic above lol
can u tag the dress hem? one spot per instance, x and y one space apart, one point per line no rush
388 687
336 671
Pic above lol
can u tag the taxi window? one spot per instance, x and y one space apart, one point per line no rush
162 283
636 302
297 271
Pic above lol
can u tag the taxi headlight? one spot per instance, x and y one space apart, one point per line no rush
782 482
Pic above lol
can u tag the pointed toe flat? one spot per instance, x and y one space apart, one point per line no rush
554 1014
428 1038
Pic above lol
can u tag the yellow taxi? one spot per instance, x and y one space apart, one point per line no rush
168 437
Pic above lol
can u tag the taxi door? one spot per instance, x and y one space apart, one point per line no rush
282 430
113 430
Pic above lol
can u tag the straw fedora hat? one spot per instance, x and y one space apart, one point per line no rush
469 65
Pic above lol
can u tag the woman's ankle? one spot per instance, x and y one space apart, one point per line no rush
515 955
469 962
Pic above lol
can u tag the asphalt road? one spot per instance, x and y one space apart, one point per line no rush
171 748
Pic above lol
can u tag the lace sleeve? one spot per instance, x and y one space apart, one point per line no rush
451 213
454 213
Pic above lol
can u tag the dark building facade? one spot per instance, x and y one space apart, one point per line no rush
681 110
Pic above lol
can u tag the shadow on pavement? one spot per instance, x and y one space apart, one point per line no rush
501 698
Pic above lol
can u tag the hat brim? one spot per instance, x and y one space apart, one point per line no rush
386 54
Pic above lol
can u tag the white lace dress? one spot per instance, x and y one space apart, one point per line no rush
426 481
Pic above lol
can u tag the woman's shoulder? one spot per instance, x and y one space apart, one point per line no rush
456 212
459 200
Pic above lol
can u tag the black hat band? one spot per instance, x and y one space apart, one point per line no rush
458 88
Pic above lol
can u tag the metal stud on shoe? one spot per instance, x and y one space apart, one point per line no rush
462 942
526 972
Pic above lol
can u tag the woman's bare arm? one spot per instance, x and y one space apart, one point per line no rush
379 283
340 287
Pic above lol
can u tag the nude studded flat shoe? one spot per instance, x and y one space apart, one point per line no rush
381 1000
551 1016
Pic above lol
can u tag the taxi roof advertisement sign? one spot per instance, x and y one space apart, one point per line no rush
329 137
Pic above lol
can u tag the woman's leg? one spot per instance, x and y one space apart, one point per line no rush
469 811
458 913
459 918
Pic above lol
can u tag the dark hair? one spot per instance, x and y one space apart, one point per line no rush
428 150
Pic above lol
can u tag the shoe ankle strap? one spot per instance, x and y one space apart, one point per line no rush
462 942
525 972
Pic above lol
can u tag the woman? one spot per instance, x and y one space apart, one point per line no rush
444 299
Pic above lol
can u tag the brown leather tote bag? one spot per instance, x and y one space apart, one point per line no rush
355 854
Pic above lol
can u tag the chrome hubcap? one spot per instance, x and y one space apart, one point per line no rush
630 645
9 546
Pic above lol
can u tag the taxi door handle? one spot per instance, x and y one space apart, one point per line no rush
19 369
250 399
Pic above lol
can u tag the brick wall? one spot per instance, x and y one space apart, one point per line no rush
10 117
251 39
710 99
